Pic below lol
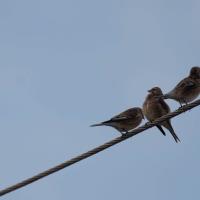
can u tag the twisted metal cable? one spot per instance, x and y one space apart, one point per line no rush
98 149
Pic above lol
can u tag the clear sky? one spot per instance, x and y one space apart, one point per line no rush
67 64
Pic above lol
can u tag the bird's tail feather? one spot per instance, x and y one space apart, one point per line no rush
99 124
105 123
173 132
166 96
161 130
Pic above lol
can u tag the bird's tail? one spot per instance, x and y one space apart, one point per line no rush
170 128
161 130
169 95
166 96
99 124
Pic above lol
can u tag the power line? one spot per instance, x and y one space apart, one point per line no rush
97 149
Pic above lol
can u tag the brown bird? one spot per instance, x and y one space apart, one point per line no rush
155 107
125 121
187 89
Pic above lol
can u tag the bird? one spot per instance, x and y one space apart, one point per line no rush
187 89
125 121
155 107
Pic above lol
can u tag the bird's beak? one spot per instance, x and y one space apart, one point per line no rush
149 91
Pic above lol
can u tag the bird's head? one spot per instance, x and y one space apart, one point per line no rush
156 91
195 72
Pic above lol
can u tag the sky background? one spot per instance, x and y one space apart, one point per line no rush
67 64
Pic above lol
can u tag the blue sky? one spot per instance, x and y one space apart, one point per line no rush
68 64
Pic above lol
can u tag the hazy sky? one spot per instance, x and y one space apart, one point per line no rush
67 64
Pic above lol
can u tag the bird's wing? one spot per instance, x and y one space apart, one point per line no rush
186 83
128 114
164 106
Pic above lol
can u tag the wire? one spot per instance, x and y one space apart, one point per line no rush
97 149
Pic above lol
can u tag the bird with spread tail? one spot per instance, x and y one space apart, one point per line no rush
155 107
125 121
187 89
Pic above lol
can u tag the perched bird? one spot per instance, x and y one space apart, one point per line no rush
125 121
155 107
188 89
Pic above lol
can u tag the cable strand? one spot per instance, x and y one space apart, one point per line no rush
98 149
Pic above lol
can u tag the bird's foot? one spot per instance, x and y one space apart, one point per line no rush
181 105
124 133
147 123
